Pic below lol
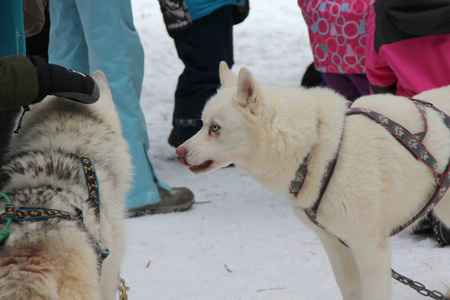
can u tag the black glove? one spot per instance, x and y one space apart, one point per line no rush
176 17
59 81
241 11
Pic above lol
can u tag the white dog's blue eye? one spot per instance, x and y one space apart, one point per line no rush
215 127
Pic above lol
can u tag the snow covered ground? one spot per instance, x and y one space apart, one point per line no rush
240 241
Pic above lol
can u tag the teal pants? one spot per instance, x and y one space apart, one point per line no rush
11 28
100 35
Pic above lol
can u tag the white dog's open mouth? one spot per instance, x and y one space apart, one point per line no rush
201 167
197 168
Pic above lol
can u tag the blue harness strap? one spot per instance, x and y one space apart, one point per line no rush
32 214
91 183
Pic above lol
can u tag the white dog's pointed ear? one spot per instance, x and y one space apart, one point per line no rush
227 78
248 92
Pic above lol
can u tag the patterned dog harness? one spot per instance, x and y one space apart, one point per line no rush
412 142
31 214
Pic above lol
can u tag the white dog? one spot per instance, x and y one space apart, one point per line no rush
376 187
58 258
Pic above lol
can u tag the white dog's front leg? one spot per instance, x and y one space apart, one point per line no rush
343 264
372 255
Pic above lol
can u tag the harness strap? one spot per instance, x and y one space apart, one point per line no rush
300 176
421 106
34 214
439 192
406 138
91 183
312 211
30 214
413 143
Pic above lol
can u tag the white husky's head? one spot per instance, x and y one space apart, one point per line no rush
233 121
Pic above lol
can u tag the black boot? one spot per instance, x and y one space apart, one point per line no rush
311 77
440 232
59 81
425 225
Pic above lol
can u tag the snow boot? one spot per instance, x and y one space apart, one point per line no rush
440 232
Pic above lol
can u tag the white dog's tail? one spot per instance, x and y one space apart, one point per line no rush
106 100
105 105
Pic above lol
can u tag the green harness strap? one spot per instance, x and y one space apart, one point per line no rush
5 233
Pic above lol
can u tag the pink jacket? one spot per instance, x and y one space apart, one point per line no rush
408 53
337 33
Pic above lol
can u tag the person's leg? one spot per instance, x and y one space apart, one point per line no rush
209 42
8 122
111 44
38 44
67 46
342 84
311 77
12 28
361 83
114 47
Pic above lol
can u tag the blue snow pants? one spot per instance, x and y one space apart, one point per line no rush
100 35
11 28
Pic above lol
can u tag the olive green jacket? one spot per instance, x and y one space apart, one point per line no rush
19 83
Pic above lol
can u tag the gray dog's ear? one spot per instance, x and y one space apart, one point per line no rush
248 93
227 78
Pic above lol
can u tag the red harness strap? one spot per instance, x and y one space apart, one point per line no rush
300 176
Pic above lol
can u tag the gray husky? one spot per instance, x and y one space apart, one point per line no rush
64 187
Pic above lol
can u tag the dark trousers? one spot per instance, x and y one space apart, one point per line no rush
351 86
209 42
38 44
8 122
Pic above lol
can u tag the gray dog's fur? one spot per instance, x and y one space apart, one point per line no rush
54 258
